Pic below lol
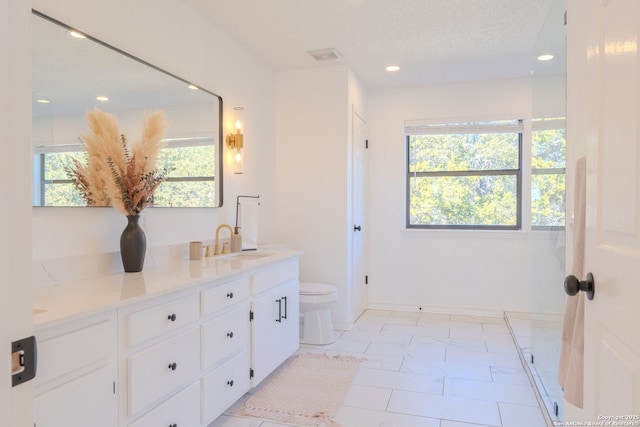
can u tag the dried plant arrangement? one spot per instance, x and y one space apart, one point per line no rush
115 174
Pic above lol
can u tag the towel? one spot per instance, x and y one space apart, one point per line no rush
248 209
571 370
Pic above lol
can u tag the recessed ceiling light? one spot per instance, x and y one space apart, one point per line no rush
545 57
77 35
102 98
392 68
193 87
42 101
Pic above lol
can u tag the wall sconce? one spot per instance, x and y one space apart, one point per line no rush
235 141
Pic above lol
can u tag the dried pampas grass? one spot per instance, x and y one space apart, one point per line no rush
115 175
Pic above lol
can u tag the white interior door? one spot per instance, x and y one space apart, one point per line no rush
15 192
608 50
359 191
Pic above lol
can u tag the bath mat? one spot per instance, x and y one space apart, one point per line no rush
308 390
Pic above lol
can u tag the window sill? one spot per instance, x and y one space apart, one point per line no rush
481 234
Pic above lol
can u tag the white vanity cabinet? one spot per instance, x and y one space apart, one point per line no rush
75 384
177 357
275 312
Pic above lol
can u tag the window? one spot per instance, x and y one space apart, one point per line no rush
548 153
464 175
188 183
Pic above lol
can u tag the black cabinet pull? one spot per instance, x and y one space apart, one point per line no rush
357 228
172 317
230 334
285 307
173 425
230 295
173 366
230 383
279 319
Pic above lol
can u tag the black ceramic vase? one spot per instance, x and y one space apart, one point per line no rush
133 245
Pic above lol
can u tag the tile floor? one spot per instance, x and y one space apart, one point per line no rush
428 370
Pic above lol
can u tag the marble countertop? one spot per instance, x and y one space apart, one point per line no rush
61 302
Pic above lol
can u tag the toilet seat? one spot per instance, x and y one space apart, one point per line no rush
310 288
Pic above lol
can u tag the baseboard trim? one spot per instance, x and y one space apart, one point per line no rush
413 308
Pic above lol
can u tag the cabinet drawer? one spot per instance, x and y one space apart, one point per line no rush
225 335
159 320
159 370
224 386
273 276
181 410
224 295
72 350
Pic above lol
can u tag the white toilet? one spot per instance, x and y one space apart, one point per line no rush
316 326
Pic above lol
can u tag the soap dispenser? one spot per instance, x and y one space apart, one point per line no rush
236 240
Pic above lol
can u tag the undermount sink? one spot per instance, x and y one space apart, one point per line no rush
252 255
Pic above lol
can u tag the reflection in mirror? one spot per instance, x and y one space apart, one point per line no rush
74 73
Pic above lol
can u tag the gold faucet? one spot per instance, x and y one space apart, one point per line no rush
216 250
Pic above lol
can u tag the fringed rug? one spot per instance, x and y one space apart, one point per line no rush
307 390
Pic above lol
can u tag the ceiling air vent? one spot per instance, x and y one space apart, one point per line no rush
324 54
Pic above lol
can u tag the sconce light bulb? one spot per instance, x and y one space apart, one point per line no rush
238 125
238 156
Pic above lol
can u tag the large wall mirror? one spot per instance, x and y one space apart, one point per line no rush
72 75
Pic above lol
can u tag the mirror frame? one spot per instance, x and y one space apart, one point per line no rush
219 176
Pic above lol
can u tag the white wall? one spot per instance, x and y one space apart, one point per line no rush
16 403
313 178
466 271
174 37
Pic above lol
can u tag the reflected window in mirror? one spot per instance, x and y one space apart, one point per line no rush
70 74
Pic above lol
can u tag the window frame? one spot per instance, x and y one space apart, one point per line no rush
542 125
517 173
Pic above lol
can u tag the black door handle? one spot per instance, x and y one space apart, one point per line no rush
572 285
357 228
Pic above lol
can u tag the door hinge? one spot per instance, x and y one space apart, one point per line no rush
250 315
366 280
24 360
366 143
250 372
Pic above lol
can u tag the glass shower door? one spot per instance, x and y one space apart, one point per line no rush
548 241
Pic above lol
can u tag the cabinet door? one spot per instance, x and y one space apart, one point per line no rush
86 401
275 329
76 372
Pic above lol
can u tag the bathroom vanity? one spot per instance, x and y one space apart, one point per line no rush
173 346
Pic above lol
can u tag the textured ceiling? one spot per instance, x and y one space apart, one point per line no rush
433 41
